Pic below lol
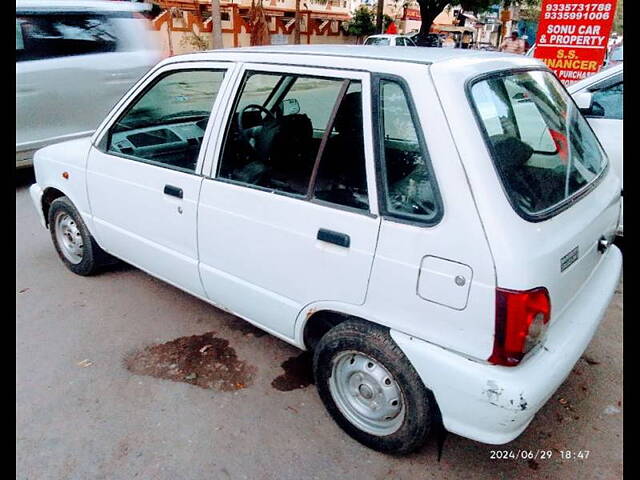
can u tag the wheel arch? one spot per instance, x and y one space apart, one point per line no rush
317 319
49 194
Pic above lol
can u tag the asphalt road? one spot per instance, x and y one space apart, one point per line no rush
82 414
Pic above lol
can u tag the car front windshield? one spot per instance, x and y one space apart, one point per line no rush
543 149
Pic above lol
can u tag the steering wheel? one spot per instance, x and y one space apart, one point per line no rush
252 106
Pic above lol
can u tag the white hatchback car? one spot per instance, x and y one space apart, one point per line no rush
74 60
600 98
389 40
445 254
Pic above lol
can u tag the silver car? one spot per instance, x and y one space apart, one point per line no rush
74 60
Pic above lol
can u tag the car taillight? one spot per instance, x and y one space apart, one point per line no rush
521 319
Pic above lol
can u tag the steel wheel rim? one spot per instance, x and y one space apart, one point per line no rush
366 393
69 238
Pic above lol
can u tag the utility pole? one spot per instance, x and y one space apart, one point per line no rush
379 14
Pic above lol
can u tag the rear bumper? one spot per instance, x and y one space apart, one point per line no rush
494 404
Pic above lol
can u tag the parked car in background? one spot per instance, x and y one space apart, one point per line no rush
74 60
428 40
405 214
388 40
600 99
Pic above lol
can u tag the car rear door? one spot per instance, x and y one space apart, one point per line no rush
275 232
143 173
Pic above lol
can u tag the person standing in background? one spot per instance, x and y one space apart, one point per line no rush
513 44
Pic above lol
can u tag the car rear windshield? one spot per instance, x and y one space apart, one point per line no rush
543 149
377 41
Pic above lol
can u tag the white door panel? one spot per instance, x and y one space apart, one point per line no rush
136 221
144 200
267 245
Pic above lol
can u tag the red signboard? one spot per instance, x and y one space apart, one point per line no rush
573 36
411 14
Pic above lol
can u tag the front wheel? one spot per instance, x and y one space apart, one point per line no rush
76 247
371 389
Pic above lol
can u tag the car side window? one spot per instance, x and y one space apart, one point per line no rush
277 127
58 35
608 102
166 124
342 176
410 191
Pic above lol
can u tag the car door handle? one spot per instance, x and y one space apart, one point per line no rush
337 238
173 191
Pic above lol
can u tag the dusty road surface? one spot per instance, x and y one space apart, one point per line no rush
209 398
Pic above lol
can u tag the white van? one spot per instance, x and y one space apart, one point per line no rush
74 60
434 224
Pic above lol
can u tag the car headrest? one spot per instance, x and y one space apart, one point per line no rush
511 151
349 116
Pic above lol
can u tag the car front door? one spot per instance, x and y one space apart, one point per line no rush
143 174
288 214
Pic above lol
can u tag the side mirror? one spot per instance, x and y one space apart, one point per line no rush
290 106
587 105
583 101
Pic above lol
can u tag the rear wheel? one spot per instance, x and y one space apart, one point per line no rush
371 389
76 247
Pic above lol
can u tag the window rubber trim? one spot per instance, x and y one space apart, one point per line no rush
558 207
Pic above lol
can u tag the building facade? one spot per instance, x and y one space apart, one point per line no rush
181 23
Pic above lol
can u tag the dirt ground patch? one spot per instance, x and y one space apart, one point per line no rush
202 360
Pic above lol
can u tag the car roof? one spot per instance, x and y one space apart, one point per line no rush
78 6
423 55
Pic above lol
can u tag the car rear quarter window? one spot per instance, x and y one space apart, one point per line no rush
542 147
409 188
62 35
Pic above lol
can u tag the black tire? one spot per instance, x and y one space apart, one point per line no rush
374 341
93 257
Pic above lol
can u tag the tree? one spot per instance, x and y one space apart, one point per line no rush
361 24
430 9
216 25
296 25
259 27
617 20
